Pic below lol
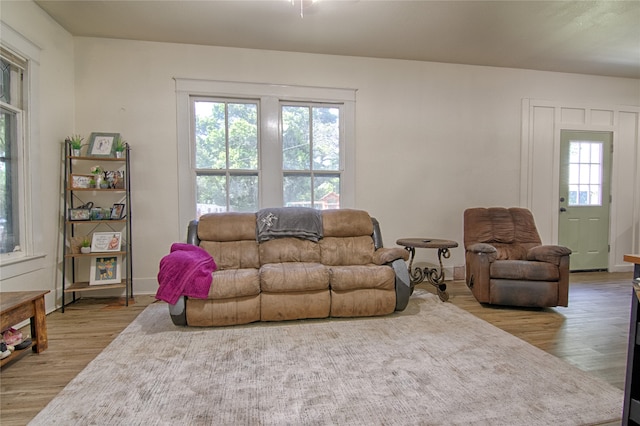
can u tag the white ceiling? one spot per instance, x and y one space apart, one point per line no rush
587 37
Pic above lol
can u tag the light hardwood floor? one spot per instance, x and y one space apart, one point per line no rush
590 334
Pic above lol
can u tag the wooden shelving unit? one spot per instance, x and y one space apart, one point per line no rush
75 274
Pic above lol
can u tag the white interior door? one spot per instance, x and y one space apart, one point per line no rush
585 188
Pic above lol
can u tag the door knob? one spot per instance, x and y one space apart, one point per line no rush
562 209
562 199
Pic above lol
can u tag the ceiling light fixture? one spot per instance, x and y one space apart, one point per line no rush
303 5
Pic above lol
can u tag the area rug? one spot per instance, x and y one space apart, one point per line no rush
433 364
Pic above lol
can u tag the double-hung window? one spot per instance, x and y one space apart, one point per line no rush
12 69
226 154
245 146
311 157
20 224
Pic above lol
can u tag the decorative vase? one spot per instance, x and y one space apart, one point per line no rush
75 152
85 250
98 180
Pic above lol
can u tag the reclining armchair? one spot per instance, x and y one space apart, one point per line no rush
506 263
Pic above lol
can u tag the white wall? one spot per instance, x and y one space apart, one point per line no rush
432 138
55 121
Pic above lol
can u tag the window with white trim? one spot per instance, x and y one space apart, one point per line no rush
245 146
21 220
12 69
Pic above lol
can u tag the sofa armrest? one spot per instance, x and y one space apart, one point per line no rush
548 253
178 311
484 249
192 233
404 286
384 255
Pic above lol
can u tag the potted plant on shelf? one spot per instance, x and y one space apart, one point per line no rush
85 245
76 143
119 146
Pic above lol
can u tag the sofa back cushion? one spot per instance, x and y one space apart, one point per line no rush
347 238
346 251
346 223
230 238
229 226
283 250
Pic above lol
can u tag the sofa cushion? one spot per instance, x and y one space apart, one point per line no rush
344 278
510 251
346 223
214 313
362 302
346 250
233 254
295 305
234 283
227 226
524 270
293 277
289 250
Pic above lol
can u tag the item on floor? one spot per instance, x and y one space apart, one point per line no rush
431 364
25 344
434 276
12 336
506 263
346 273
4 350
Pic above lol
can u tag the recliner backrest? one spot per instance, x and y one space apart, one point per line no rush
511 230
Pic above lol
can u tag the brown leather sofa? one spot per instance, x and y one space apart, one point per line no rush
506 263
346 273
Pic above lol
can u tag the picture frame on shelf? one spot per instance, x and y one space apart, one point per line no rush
106 241
102 144
105 270
117 211
115 179
78 181
79 214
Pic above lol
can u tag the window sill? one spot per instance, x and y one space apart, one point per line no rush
13 265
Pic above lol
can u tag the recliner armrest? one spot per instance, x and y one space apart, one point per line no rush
548 253
484 249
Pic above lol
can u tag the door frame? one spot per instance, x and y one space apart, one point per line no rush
542 122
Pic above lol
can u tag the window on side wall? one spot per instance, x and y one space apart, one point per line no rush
20 221
268 146
12 228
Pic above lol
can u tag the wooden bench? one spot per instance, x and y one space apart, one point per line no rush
17 306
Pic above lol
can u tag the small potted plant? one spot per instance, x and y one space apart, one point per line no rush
76 143
119 146
96 171
85 245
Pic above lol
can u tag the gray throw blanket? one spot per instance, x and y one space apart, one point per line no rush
282 222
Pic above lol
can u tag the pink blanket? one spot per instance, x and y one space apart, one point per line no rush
186 270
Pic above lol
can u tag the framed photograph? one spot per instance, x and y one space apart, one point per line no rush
117 212
106 241
79 214
115 179
80 181
102 144
105 270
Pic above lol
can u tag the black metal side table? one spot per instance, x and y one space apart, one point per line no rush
435 276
